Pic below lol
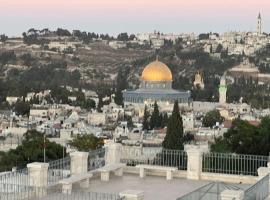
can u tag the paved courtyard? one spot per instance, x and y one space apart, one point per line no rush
154 187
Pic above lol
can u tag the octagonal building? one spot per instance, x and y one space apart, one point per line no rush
156 85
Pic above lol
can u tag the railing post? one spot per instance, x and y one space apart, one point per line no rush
38 177
232 195
262 172
78 165
38 174
194 166
78 162
113 153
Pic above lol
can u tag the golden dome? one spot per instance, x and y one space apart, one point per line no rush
156 71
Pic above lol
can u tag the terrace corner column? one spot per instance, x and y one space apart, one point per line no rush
194 166
78 163
38 174
113 153
264 171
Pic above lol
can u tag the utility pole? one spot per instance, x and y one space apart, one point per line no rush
64 151
44 148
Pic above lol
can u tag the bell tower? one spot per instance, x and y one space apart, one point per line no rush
259 25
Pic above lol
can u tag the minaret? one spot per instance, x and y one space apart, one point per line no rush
259 25
198 81
222 90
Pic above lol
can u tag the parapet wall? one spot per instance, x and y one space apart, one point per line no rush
229 178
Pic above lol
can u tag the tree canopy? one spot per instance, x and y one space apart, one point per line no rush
123 37
62 32
22 108
86 142
31 150
145 118
204 36
7 56
174 136
155 120
211 118
121 84
244 138
3 38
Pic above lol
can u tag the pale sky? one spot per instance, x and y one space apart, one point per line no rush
115 16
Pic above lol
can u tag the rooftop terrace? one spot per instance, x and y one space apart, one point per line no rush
150 174
154 187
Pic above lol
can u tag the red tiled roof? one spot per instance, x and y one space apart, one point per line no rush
227 124
254 123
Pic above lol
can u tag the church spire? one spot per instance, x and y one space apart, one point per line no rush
259 24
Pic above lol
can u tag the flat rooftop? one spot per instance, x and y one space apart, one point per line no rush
154 187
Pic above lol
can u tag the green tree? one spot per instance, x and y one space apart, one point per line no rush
60 95
160 121
219 48
100 103
34 100
7 56
145 119
211 118
3 38
119 97
27 59
155 118
86 142
62 32
129 121
165 120
244 138
121 84
31 150
22 108
221 146
132 37
204 36
123 37
264 131
68 50
89 104
174 135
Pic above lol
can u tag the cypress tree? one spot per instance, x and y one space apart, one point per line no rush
100 103
155 118
174 135
121 84
145 119
160 120
165 120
